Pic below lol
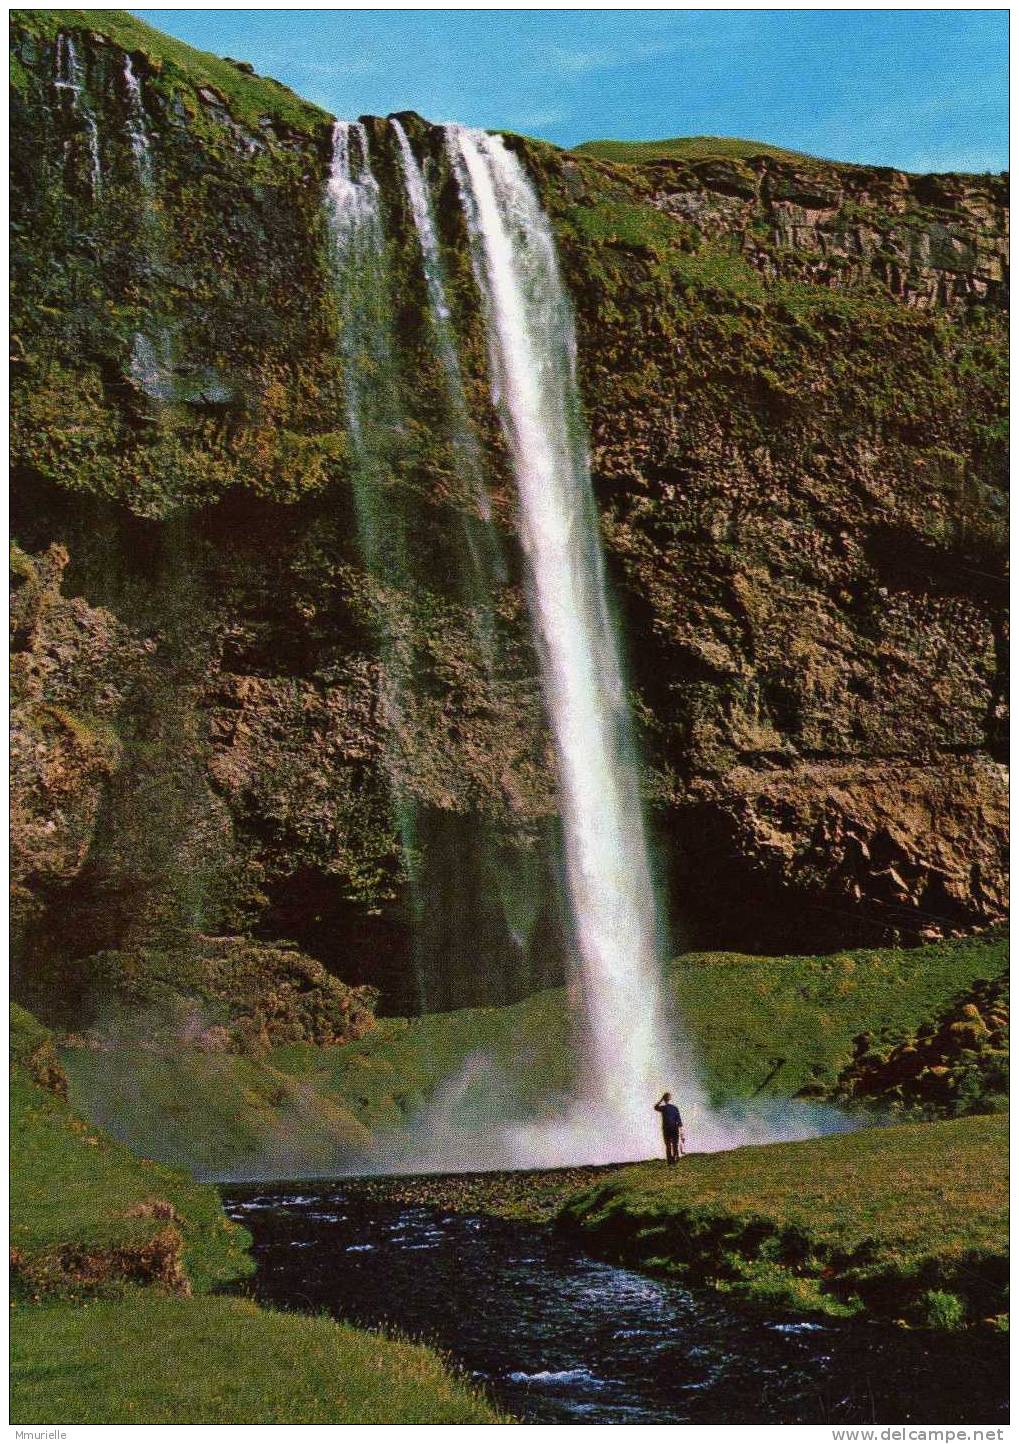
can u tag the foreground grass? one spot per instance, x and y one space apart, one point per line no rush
113 1323
763 1027
156 1360
908 1222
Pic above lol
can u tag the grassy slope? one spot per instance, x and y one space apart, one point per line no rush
750 1015
98 1348
249 96
224 1361
688 147
908 1222
769 1025
70 1184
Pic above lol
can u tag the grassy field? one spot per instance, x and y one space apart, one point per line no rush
113 1322
908 1222
688 147
761 1026
224 1361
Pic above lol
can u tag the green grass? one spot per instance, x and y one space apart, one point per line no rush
223 1361
774 1026
74 1187
216 1112
688 147
781 1025
248 96
908 1222
102 1333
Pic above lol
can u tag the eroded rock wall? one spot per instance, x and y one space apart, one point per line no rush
793 378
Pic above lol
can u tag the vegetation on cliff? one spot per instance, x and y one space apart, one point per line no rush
685 147
953 1065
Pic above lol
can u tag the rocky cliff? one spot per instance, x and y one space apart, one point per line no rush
794 377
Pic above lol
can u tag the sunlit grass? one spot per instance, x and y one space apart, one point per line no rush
756 1025
154 1360
906 1222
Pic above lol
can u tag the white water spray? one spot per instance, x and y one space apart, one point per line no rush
629 1043
69 79
137 126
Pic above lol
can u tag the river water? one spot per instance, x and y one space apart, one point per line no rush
556 1336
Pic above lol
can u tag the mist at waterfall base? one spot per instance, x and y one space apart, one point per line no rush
627 1047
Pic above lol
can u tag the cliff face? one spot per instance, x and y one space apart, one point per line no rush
794 383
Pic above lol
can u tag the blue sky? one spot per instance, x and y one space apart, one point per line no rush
916 89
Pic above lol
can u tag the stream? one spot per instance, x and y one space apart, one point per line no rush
556 1336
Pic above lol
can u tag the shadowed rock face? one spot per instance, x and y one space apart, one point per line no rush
794 382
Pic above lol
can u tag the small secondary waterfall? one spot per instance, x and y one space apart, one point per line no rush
69 79
532 357
487 568
374 413
375 427
152 362
137 125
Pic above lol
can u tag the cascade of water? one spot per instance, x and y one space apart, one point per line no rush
152 359
629 1044
69 79
375 427
515 875
465 439
374 415
137 126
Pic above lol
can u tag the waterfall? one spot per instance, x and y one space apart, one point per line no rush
137 126
465 440
69 79
152 360
517 877
628 1045
630 1048
374 413
375 426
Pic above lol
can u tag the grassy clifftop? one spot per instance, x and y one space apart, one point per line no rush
250 97
686 147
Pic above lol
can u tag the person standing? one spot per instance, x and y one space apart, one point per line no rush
672 1128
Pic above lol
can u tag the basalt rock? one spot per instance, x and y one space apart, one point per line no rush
794 380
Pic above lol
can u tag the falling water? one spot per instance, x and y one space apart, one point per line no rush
465 439
631 1048
374 414
532 358
137 126
152 360
69 79
516 876
375 428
